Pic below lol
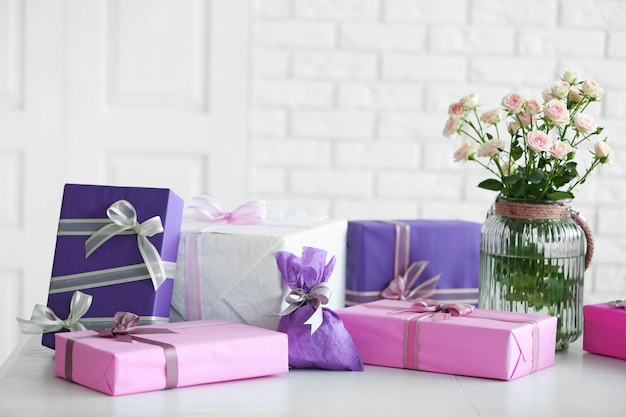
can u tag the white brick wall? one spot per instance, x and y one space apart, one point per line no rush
349 97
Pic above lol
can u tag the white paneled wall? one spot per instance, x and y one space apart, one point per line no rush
336 106
134 92
349 97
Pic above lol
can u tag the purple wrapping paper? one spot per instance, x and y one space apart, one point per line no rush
129 293
451 247
330 346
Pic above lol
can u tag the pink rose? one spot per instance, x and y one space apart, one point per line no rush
556 111
592 89
452 126
456 109
491 117
574 96
585 123
546 95
560 89
490 148
465 152
538 141
525 118
604 152
513 103
513 127
570 76
560 149
533 106
470 101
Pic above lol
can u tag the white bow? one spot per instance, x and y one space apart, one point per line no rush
43 319
124 217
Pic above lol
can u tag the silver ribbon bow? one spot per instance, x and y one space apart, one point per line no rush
618 303
43 319
124 218
318 295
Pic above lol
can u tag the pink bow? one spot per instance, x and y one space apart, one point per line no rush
207 209
125 327
425 305
437 309
400 287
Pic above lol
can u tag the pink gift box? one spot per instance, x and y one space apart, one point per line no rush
195 352
484 343
605 330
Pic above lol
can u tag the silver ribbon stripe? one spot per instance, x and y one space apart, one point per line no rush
104 277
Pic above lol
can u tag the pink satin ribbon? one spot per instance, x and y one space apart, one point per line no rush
426 308
208 210
404 275
400 287
425 305
205 208
423 309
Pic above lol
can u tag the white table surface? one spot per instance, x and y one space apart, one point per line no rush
580 384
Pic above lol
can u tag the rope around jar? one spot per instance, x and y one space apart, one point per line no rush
547 212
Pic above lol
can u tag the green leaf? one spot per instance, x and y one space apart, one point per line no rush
560 180
570 166
560 195
557 289
519 190
536 177
512 179
516 153
491 184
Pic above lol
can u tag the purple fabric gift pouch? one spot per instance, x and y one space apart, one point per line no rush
317 337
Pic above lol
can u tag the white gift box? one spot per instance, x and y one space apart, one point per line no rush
229 271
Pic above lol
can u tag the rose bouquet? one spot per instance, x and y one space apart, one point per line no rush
533 252
538 161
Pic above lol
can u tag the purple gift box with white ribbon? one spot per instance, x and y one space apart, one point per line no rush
118 245
408 259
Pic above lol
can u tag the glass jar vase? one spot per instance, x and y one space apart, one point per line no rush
533 256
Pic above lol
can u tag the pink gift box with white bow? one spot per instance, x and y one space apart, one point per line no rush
432 337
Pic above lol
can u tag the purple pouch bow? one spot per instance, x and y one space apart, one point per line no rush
317 336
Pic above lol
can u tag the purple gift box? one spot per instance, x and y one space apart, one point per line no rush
379 251
116 273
